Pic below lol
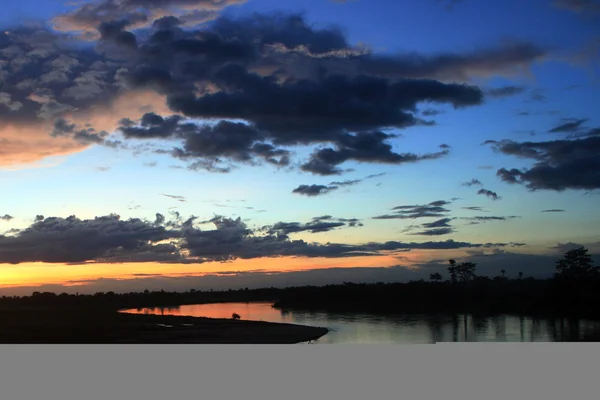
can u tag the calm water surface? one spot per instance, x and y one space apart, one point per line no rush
400 329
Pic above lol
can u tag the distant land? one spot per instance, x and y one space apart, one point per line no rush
573 292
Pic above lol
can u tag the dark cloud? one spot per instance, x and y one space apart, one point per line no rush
323 218
410 216
505 91
438 203
489 193
313 190
47 77
6 217
473 182
446 245
573 125
114 32
306 111
208 165
62 128
562 248
346 110
289 81
440 223
69 240
434 232
137 13
436 228
355 181
208 146
362 147
233 141
559 164
492 61
434 209
174 197
594 132
346 183
517 244
6 101
297 49
154 126
315 226
90 136
178 240
480 219
352 222
233 239
160 219
553 210
473 208
51 87
285 34
430 112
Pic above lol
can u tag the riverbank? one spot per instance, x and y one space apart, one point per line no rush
52 325
542 298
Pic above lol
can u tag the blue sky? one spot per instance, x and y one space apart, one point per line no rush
506 72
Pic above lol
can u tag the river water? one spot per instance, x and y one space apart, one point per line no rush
359 328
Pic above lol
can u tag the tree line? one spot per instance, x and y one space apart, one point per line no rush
574 290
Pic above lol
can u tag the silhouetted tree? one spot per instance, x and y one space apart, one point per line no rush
235 316
463 272
576 265
435 277
502 271
466 271
520 275
452 271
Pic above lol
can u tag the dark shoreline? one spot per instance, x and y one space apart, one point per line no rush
486 297
50 325
545 298
196 330
73 318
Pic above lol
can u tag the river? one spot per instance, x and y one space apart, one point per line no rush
400 329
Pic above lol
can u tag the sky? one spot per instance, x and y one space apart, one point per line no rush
214 144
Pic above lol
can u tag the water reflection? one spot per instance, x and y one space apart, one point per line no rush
402 329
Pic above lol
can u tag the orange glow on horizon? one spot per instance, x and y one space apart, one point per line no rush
34 274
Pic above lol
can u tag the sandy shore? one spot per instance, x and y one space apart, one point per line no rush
52 325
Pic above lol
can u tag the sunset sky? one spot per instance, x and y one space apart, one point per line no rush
177 144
